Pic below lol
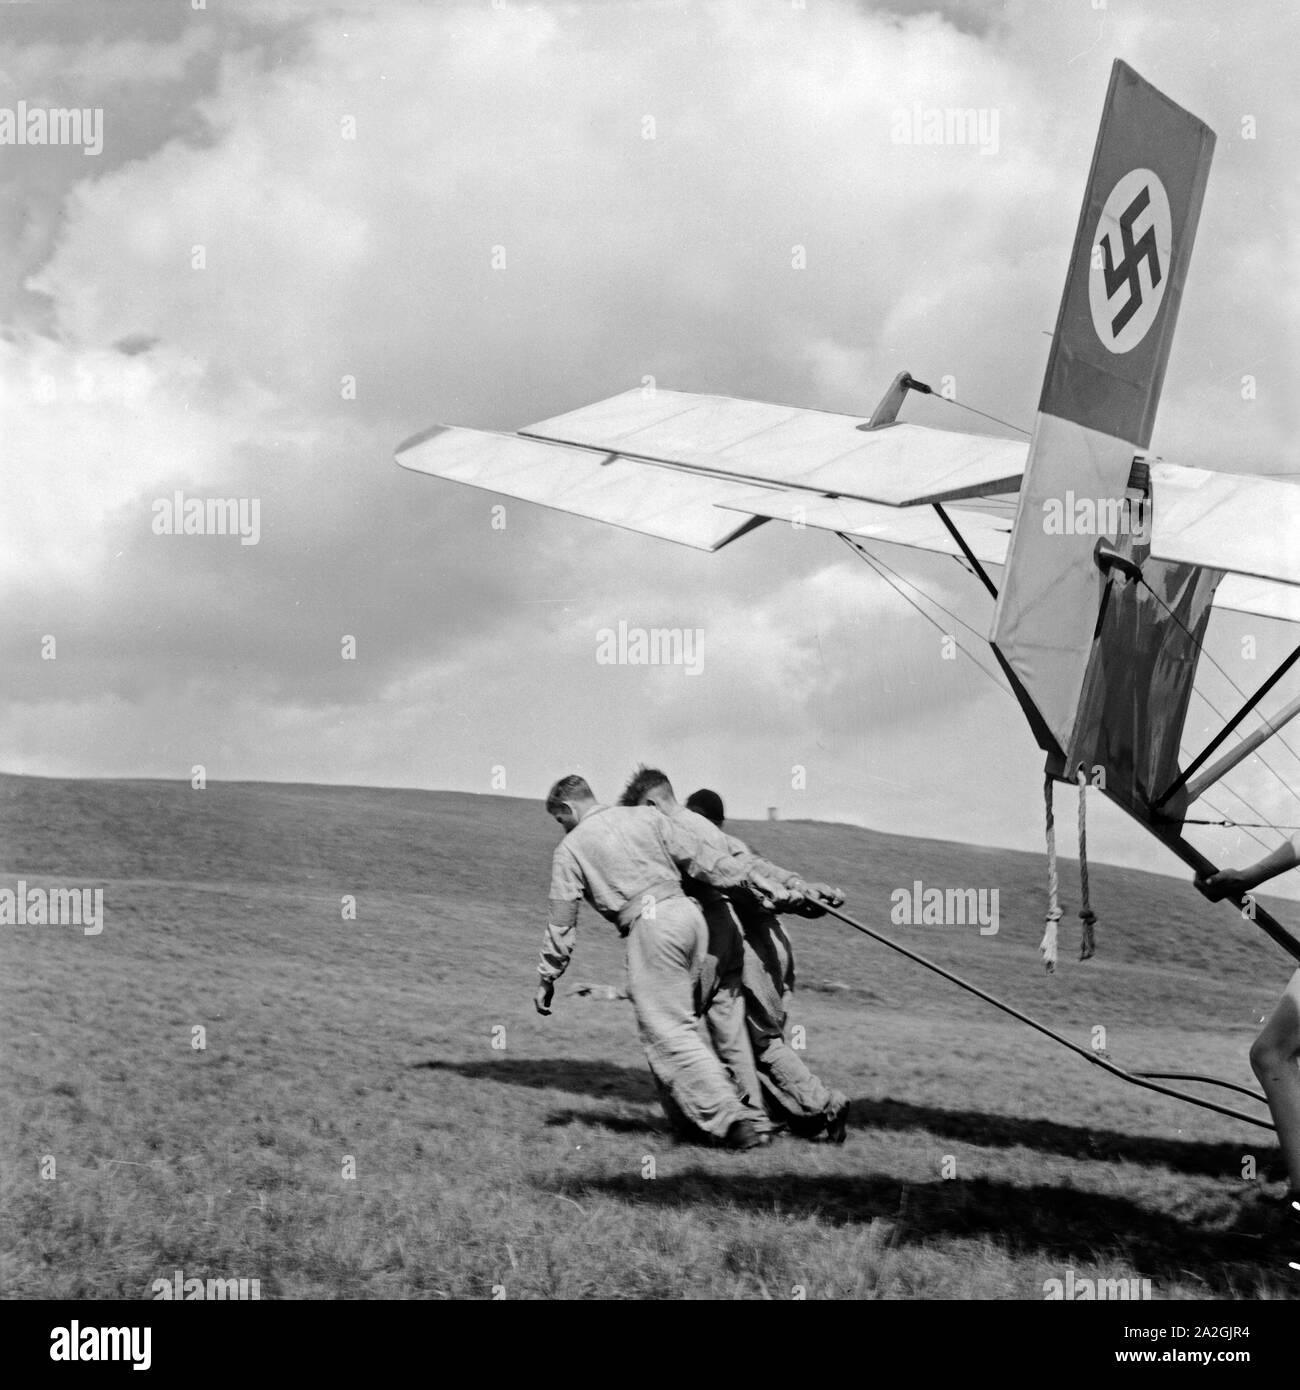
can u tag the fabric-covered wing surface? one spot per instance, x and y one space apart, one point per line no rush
900 465
916 527
1244 594
1226 521
663 502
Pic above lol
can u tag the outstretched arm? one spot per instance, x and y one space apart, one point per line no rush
1231 882
696 857
805 894
716 858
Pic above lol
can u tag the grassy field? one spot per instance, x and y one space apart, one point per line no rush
497 1153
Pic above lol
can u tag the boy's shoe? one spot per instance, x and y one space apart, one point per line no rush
837 1118
745 1134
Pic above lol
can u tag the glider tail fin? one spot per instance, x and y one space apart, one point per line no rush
1096 411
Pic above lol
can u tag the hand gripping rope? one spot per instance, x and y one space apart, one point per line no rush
1147 1080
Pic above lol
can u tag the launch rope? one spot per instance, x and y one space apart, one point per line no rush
1142 1079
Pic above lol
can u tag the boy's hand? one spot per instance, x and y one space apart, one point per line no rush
826 893
1227 883
774 896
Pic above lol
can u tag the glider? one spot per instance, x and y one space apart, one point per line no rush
1098 629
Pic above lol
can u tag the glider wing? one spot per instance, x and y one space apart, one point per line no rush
672 505
1226 521
900 465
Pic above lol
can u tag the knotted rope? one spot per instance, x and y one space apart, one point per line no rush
1047 947
1088 940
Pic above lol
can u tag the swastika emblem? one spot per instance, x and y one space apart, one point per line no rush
1130 260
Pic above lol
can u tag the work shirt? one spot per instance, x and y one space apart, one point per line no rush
616 855
743 900
722 843
785 877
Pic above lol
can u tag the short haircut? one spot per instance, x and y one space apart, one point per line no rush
570 788
706 803
644 779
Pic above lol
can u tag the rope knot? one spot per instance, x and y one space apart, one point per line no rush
1047 946
1088 937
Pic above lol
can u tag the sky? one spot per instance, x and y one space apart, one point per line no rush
311 233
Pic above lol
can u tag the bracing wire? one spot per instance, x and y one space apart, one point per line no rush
890 576
997 419
1146 1080
1202 650
884 571
1273 733
1230 824
929 598
879 567
1263 822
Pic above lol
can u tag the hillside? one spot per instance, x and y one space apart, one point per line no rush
373 1038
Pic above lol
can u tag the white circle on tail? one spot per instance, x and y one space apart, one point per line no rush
1130 263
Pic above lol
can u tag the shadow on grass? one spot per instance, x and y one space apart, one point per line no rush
616 1124
606 1080
1059 1223
576 1074
1048 1136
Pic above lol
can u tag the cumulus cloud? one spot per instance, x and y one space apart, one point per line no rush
349 225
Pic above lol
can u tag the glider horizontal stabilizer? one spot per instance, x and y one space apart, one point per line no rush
672 505
916 527
899 465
